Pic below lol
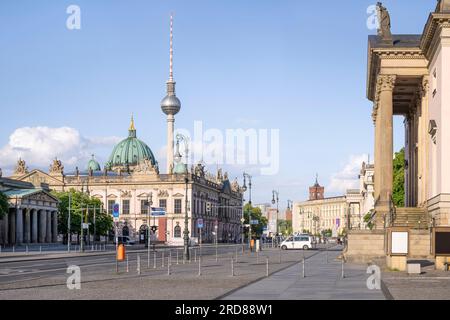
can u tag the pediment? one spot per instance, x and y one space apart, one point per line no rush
97 196
37 177
41 196
143 195
112 196
178 195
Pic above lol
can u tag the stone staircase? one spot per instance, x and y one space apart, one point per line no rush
416 218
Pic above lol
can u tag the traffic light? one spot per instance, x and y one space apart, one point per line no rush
208 207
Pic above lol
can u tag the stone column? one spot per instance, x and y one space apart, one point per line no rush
6 229
386 85
27 237
19 226
42 225
34 226
384 149
12 228
48 235
55 226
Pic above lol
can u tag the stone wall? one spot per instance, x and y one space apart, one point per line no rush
419 244
365 246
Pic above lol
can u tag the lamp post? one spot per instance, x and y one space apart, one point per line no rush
275 192
181 137
149 211
244 187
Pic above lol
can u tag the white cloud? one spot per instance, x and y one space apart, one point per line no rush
347 178
38 146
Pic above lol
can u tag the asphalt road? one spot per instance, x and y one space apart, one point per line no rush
18 271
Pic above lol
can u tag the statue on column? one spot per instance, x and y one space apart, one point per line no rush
384 23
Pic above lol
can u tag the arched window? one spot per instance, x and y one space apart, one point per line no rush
177 231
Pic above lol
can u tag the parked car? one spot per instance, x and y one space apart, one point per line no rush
126 240
304 242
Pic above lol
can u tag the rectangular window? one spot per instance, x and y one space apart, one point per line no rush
144 207
177 206
434 83
125 206
163 203
111 204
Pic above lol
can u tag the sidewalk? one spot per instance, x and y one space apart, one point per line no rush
322 282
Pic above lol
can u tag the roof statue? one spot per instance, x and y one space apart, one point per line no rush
384 24
21 168
443 6
56 167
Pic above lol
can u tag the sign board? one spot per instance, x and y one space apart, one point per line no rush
200 223
86 225
254 222
442 242
116 208
399 243
115 219
158 212
338 222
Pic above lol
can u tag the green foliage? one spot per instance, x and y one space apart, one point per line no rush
398 193
79 202
285 227
256 214
327 233
4 205
367 218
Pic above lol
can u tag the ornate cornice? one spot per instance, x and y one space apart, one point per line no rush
435 21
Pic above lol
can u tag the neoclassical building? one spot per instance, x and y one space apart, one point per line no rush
33 213
131 178
321 213
408 76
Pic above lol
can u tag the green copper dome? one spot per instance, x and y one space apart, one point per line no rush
93 165
131 151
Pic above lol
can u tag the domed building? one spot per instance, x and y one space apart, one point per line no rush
131 178
129 153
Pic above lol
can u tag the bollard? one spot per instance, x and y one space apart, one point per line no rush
267 266
40 249
342 273
27 249
154 259
199 266
232 267
14 249
195 255
162 259
127 264
139 265
303 263
0 248
168 266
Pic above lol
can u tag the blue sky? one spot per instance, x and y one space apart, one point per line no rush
297 66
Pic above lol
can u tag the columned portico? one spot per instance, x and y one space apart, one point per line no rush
54 226
42 225
27 234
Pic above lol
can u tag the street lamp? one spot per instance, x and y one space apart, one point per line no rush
244 187
275 192
149 211
290 204
181 137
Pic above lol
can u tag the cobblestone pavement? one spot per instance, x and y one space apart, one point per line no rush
323 281
100 281
430 285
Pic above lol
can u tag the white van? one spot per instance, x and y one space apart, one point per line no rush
304 242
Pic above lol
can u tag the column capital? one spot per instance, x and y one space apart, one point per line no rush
424 87
385 82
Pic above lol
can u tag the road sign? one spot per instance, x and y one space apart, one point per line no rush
86 225
154 228
200 223
116 208
254 222
158 212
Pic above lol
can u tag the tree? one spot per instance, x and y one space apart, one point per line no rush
257 229
4 205
367 219
398 193
285 227
79 203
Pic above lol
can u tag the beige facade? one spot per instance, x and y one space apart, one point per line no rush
133 191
